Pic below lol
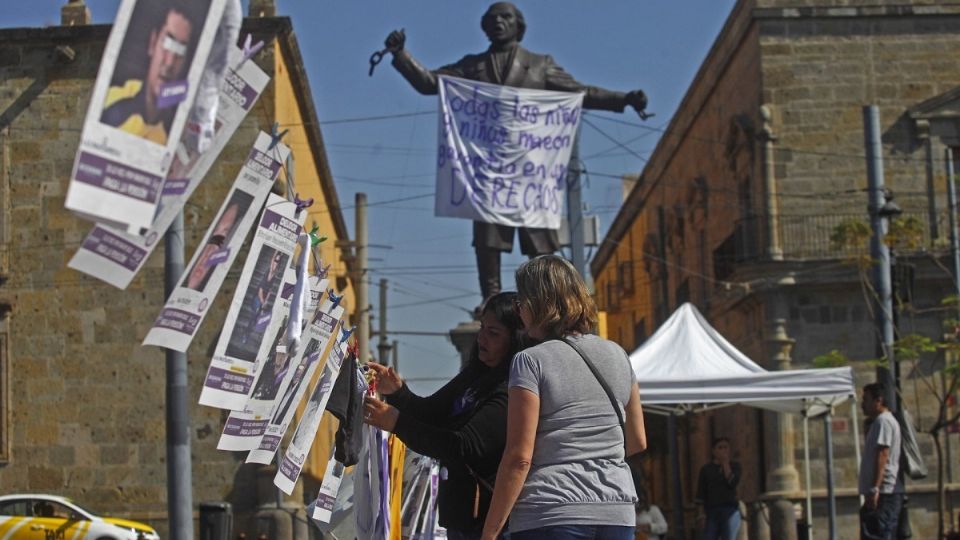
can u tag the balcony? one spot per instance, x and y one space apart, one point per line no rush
804 237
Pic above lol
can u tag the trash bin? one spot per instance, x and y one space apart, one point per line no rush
216 521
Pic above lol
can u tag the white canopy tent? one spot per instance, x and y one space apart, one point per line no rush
687 366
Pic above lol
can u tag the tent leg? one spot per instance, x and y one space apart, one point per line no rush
806 470
831 495
856 439
673 448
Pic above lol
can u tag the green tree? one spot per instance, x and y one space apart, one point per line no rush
905 236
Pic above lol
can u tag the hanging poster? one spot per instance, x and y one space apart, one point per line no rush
186 307
325 326
243 429
255 313
115 256
329 488
502 152
148 77
296 455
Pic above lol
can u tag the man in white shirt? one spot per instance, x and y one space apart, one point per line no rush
883 495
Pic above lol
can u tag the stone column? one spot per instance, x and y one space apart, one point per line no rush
782 477
75 13
768 139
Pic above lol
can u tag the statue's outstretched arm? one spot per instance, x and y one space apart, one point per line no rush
422 79
595 97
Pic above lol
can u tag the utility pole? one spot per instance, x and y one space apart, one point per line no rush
396 356
952 212
575 208
363 306
179 472
383 348
879 251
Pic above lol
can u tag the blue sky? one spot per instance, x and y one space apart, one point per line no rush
655 45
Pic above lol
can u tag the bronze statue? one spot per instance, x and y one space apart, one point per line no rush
507 63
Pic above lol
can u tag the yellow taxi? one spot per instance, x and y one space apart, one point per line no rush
49 517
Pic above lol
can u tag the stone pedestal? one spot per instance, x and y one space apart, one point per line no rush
463 338
263 8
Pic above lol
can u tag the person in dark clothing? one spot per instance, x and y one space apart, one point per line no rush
717 492
463 424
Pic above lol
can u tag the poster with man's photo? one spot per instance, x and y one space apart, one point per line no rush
179 320
115 256
243 429
255 312
148 78
325 326
296 455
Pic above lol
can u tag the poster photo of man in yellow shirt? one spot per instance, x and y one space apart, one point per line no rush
150 78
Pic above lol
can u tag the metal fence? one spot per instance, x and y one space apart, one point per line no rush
809 236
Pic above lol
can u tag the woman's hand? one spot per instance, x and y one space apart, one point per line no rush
378 414
388 380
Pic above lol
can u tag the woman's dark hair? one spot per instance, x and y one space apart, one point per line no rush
504 309
718 440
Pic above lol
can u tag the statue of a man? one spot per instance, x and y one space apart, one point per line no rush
507 63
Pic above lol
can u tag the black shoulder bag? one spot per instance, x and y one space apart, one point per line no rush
603 383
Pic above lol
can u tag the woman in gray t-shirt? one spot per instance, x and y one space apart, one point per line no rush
563 473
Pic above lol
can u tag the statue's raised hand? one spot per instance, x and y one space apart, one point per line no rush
638 100
395 41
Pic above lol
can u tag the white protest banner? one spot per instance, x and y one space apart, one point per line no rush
254 311
115 256
243 429
148 77
502 152
186 307
320 333
290 466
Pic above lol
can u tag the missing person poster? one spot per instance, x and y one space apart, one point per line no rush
115 256
243 429
255 312
296 455
186 307
503 152
148 77
323 329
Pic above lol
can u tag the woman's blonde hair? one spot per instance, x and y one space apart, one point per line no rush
558 300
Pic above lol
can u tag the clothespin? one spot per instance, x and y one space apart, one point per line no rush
301 205
334 298
346 333
322 273
275 136
354 349
249 49
315 238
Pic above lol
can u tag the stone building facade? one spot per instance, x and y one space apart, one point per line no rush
734 212
81 402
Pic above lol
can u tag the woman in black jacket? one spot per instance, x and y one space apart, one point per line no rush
463 424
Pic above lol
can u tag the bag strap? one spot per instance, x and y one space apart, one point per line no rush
603 383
